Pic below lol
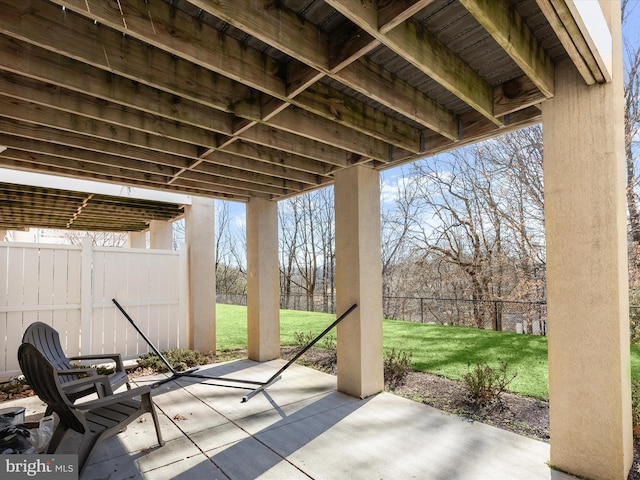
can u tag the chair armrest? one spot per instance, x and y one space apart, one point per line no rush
94 380
114 357
111 399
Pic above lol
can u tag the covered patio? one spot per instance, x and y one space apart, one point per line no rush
257 101
303 428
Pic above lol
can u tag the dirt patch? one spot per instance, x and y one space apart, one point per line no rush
522 415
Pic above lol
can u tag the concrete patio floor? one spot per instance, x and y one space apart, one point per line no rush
302 428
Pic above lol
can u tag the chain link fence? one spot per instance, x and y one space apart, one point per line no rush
509 316
501 315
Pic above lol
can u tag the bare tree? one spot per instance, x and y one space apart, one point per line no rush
469 225
632 140
458 229
307 246
98 239
289 227
325 212
397 222
518 158
230 252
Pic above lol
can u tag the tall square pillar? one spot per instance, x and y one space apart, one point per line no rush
201 274
136 240
359 280
263 280
587 279
161 234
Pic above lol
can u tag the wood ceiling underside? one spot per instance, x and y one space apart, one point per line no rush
245 98
25 206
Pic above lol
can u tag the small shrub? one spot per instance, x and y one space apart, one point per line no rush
179 358
329 343
329 362
303 339
100 369
397 366
484 383
323 356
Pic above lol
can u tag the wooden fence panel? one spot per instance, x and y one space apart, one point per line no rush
72 287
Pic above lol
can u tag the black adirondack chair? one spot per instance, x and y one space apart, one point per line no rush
47 340
95 420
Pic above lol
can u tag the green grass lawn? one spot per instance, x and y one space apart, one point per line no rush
443 350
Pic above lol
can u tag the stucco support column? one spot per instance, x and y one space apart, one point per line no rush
201 274
263 282
161 234
359 280
587 284
136 240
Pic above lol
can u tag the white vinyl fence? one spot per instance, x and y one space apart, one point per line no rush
71 288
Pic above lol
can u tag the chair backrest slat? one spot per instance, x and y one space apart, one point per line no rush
47 340
42 378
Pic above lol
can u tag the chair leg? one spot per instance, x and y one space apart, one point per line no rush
89 441
57 436
150 407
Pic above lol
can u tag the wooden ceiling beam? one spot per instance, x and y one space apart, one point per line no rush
65 161
19 160
45 134
64 199
83 160
515 95
313 49
52 68
251 158
348 46
51 96
168 29
514 36
36 63
301 122
51 154
45 25
563 24
378 125
310 149
375 82
91 209
91 128
416 45
199 179
392 13
127 146
265 192
203 46
252 177
89 157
